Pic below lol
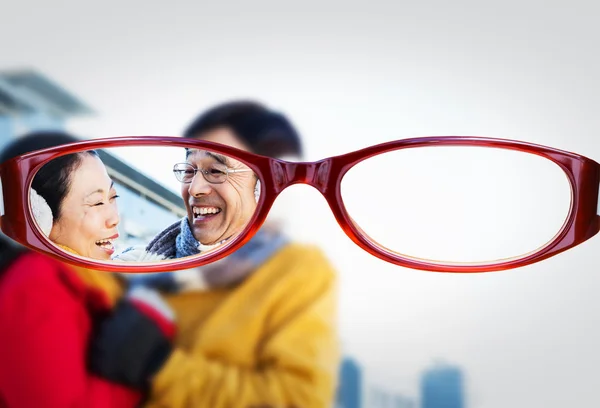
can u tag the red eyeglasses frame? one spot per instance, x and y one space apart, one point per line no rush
325 175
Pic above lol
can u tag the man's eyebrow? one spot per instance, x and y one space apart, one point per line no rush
218 157
100 190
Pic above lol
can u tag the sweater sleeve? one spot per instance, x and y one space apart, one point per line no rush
297 364
44 344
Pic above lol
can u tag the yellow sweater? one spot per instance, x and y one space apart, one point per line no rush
270 342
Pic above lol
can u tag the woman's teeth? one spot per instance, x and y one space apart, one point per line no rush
105 243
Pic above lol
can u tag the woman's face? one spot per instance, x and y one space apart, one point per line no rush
88 216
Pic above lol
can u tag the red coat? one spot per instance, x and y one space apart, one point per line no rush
46 314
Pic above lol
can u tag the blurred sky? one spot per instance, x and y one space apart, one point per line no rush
351 75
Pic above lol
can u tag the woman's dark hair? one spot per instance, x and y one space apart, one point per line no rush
264 131
34 141
25 144
53 180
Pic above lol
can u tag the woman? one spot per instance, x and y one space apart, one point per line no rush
83 202
50 310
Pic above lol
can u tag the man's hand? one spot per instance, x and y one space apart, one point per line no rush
130 345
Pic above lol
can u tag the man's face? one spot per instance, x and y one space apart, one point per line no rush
218 211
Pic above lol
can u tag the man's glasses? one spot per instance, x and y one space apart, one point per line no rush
215 173
445 204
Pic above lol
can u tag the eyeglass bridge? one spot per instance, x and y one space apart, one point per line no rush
314 174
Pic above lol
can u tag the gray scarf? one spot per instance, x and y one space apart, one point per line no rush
177 241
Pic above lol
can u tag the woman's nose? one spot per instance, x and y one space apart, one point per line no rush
112 219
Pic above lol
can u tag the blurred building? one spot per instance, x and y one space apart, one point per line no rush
31 102
349 393
379 398
400 401
442 387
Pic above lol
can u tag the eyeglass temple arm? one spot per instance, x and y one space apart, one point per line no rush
598 203
237 170
1 199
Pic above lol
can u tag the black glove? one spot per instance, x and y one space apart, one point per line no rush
131 345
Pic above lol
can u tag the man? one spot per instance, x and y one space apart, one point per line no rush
258 328
220 195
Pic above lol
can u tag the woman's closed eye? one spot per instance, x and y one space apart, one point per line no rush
102 202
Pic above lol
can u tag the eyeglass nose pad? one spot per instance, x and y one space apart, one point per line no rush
208 177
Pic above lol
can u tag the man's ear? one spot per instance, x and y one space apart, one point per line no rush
257 190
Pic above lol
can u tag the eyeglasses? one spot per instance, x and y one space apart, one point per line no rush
443 204
216 173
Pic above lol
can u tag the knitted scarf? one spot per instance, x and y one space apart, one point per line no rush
177 241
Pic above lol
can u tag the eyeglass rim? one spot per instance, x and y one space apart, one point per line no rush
276 175
196 170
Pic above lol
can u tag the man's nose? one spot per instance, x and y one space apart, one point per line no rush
199 186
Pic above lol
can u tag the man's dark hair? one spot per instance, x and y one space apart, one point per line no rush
264 131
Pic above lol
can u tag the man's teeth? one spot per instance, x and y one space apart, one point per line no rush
205 210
